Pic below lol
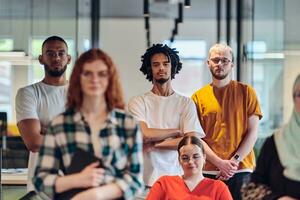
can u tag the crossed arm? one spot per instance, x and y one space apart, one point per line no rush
161 138
32 132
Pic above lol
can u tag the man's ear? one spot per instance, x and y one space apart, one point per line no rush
207 62
69 59
41 59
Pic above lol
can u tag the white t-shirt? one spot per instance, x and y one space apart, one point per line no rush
43 102
174 111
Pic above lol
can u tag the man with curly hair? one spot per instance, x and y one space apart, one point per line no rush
164 115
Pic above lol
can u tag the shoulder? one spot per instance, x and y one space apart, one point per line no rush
135 99
138 99
28 89
167 179
242 86
202 91
122 117
183 99
214 182
68 116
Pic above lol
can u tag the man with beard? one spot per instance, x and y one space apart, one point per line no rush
164 115
229 113
38 103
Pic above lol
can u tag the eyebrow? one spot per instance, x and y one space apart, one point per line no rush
61 50
155 62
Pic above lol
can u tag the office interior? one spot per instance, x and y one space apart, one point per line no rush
264 35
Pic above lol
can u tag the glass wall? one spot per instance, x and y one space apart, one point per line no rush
24 26
266 54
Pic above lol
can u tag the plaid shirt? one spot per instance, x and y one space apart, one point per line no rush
121 151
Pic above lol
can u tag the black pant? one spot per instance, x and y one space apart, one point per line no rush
235 183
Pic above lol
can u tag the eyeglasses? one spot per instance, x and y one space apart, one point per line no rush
53 54
224 61
186 158
100 74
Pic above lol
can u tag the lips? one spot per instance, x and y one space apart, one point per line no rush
56 65
161 74
218 70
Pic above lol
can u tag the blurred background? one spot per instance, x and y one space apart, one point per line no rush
264 36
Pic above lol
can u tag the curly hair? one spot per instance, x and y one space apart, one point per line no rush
114 93
172 55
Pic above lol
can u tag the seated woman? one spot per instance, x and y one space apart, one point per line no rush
277 174
192 184
95 122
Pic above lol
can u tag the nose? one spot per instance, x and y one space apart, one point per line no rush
161 66
95 77
191 160
56 56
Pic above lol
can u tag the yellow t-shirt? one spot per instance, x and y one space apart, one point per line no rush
223 114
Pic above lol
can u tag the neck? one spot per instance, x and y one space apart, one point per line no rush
93 106
196 178
163 89
56 81
221 83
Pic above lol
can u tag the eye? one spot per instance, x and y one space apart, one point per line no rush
196 156
184 158
86 73
61 54
50 54
103 74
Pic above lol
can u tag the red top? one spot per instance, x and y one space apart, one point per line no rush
174 187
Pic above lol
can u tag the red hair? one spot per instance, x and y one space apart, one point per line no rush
113 95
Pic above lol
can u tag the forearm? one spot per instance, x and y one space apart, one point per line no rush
68 182
156 135
210 154
170 144
246 145
31 133
109 191
249 140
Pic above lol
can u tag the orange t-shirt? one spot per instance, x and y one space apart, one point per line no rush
223 114
174 187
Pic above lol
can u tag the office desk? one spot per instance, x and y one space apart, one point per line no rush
14 176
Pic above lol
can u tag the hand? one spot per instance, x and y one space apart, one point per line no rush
227 169
148 146
179 133
91 175
86 195
43 129
286 198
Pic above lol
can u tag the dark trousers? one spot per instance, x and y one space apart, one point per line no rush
235 183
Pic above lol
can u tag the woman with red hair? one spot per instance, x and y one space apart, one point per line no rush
94 121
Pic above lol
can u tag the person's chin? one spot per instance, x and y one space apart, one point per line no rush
93 94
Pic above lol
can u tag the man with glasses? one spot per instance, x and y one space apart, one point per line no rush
38 103
229 113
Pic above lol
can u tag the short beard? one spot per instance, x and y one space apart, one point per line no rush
161 81
218 77
55 73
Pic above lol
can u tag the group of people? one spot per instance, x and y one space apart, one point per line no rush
166 146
